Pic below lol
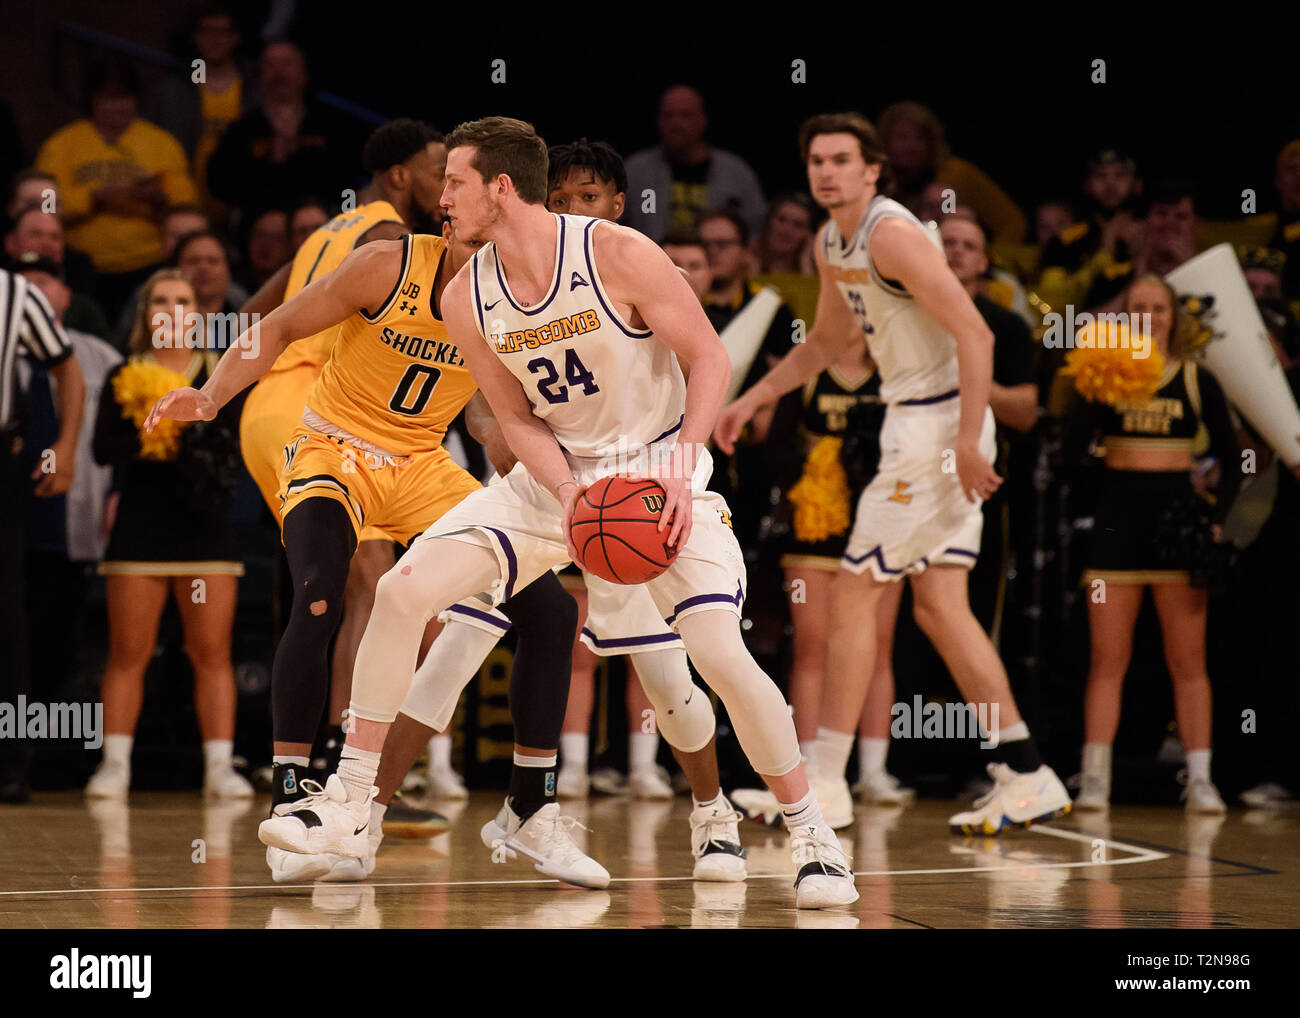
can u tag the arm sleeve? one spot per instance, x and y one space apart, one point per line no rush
115 439
41 334
1223 442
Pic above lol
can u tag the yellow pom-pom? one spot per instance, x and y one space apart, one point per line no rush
137 387
821 498
1106 365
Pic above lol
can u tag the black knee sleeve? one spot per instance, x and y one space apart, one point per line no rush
545 618
319 542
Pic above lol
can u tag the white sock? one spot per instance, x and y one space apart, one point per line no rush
377 811
641 751
808 751
440 753
573 749
712 801
1198 765
833 749
807 812
216 755
117 750
358 769
871 755
1013 733
1096 759
300 761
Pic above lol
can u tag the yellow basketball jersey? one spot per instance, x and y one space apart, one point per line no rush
323 252
395 378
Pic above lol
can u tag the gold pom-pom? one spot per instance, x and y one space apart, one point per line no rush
821 498
137 387
1106 366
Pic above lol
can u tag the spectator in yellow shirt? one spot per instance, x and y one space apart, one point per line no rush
918 154
117 175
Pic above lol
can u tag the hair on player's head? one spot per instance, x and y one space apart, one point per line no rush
597 156
395 142
506 146
858 126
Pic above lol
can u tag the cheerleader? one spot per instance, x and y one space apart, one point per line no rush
171 536
838 428
1154 530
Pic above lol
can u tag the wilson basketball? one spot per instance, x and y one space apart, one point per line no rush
616 530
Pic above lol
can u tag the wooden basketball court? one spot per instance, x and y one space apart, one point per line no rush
165 861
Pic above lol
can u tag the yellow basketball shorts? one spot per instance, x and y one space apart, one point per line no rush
394 498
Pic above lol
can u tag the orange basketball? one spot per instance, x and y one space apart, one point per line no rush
615 529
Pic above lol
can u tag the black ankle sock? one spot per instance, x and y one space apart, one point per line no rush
286 783
531 788
1020 755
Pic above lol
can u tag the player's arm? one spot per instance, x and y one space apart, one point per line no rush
1016 406
485 430
635 270
902 252
835 331
389 229
532 441
363 281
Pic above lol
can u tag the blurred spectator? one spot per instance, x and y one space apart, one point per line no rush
308 217
994 282
1158 244
1263 268
266 249
27 323
117 176
198 113
1052 217
33 187
66 533
918 154
179 221
1286 236
688 254
40 234
686 175
1102 240
783 254
171 537
757 336
287 146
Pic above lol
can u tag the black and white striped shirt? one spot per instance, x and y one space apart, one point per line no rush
26 321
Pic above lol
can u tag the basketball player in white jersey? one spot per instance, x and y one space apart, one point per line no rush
884 279
573 328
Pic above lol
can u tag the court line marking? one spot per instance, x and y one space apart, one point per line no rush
1139 855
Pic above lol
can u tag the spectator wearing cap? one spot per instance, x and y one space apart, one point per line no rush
288 145
68 533
686 176
117 175
1102 239
918 153
37 234
198 113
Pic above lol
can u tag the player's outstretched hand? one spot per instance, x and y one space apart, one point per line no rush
181 405
978 478
569 493
731 422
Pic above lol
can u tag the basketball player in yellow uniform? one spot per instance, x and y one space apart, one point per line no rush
369 453
406 160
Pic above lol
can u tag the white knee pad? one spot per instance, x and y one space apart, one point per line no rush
683 713
756 707
451 661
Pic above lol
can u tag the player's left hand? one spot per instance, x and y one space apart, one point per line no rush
569 493
978 478
678 501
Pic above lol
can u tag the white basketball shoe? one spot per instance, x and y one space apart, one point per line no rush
824 875
544 837
715 842
322 822
1017 800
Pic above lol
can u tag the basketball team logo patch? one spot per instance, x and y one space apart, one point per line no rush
550 782
898 495
290 782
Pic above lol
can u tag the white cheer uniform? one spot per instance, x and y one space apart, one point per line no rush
913 514
615 398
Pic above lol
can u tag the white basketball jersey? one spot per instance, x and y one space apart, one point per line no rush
917 358
598 383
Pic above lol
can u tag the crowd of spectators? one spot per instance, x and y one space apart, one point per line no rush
221 176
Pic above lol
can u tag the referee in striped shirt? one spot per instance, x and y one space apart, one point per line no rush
27 324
